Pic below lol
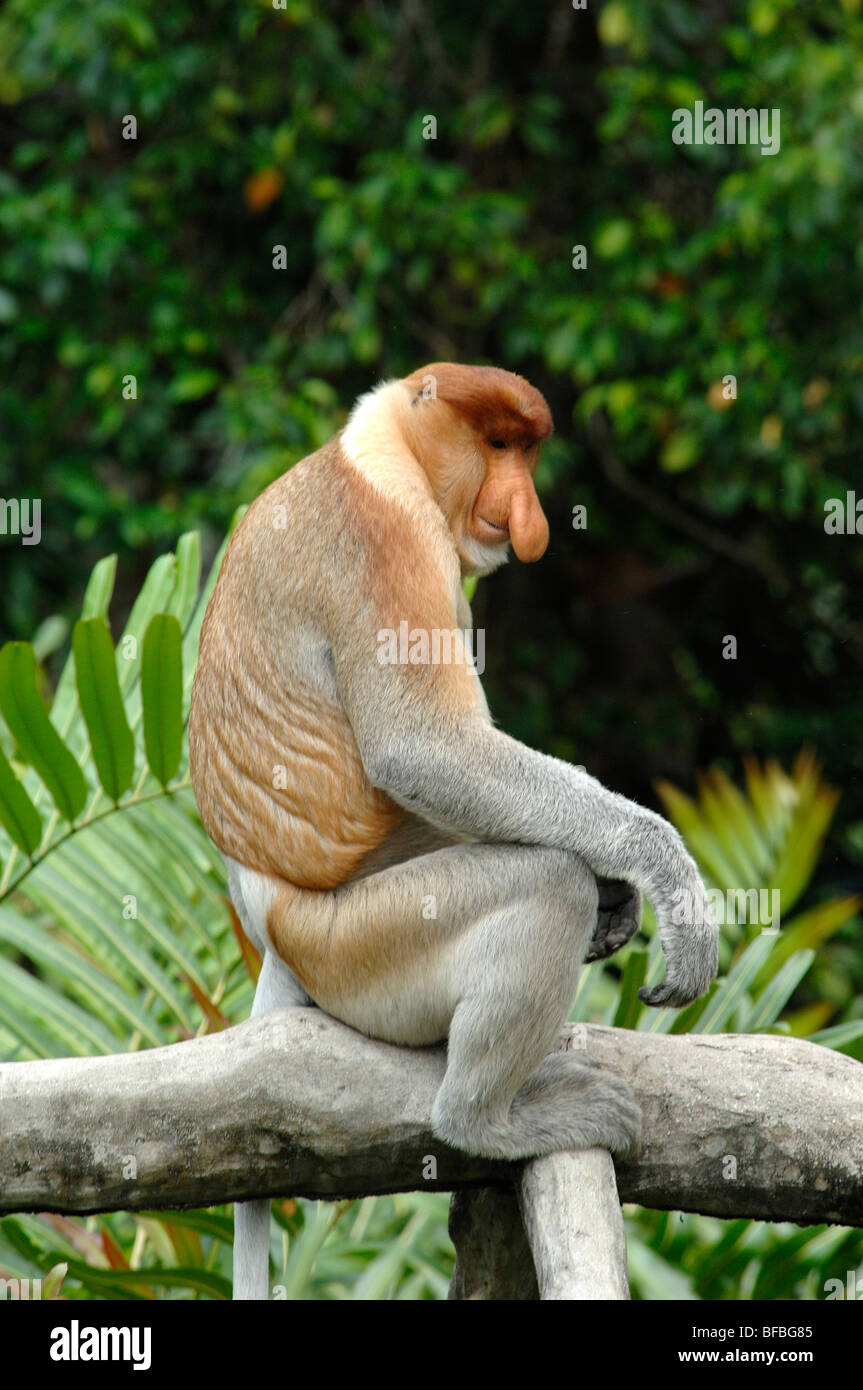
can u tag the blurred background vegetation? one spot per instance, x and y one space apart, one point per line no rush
302 127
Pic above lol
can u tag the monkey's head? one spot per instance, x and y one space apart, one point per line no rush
477 431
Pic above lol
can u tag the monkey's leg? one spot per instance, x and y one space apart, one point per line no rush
277 986
484 942
503 1094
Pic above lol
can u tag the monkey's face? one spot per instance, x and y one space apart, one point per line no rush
484 486
506 507
477 435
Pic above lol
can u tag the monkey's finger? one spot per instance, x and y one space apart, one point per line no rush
617 921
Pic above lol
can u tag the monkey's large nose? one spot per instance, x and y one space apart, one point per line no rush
528 527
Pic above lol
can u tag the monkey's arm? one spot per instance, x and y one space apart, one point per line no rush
424 738
471 778
466 776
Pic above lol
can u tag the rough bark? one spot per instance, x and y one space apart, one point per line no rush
296 1103
574 1226
493 1259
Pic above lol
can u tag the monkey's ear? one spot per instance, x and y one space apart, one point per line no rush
493 402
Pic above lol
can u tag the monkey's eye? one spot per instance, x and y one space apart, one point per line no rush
498 443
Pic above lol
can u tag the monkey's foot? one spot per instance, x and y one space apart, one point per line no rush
586 1105
563 1105
617 920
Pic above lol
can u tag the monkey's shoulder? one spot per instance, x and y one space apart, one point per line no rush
330 516
303 496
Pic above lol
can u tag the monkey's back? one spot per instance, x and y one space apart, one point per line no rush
277 773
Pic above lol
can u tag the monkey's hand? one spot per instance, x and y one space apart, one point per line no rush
686 925
617 920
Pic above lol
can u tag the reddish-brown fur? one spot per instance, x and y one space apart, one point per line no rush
362 551
245 721
495 403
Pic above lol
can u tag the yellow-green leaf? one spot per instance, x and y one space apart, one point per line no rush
810 929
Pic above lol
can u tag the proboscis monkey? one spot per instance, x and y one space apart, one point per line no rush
399 861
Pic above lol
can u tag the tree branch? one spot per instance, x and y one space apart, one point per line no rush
295 1103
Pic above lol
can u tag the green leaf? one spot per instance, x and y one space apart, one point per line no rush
22 1234
75 970
742 816
630 1006
133 1283
191 386
41 745
680 451
100 587
772 794
64 711
102 705
799 854
188 577
840 1035
612 238
660 1275
78 1033
30 1035
810 929
685 1019
735 832
162 909
162 696
53 1281
204 1221
154 598
18 815
64 886
773 998
731 992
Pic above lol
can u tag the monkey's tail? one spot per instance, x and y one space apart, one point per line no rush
252 1250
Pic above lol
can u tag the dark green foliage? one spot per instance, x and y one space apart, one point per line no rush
303 128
